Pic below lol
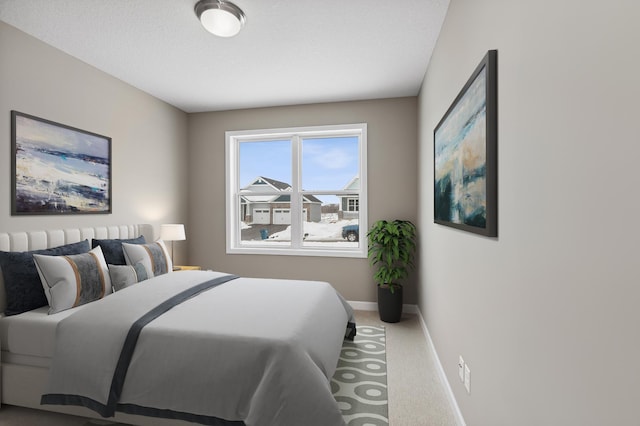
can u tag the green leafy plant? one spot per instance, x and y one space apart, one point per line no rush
392 246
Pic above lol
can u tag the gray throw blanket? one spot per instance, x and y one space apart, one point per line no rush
246 352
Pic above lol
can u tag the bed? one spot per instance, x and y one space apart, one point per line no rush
178 348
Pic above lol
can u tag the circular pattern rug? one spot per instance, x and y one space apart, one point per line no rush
359 384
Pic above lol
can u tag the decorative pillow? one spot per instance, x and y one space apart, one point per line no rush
154 257
112 249
123 276
73 280
21 280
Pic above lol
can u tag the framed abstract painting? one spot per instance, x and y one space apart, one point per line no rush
465 155
58 169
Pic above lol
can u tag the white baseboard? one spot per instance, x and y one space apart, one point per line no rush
363 306
373 306
413 309
443 377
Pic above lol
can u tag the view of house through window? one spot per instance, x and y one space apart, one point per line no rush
297 191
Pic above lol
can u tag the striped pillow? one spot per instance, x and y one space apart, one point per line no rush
73 280
123 276
154 257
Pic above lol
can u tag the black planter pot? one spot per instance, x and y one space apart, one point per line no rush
390 304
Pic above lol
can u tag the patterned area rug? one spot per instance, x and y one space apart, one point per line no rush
360 381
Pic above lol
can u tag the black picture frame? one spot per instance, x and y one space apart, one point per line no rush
465 183
58 169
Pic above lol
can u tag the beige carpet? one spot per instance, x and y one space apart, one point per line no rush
416 395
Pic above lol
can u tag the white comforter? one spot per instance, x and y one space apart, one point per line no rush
251 351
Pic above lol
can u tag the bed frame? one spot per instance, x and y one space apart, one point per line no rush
23 385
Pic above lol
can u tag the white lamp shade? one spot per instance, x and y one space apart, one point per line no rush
172 232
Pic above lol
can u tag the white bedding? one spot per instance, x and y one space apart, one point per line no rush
31 333
254 350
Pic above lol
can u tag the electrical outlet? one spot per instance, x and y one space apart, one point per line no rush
467 378
461 369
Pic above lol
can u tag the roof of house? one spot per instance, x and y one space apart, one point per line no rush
281 186
354 183
287 199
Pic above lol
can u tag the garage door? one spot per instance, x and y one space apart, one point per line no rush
282 216
261 216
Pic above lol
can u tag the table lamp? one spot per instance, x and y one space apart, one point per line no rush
172 232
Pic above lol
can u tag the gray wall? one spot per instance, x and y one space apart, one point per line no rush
152 165
546 314
392 172
148 136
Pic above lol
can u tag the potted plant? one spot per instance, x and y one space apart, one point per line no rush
392 247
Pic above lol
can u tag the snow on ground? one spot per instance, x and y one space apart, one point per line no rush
328 229
317 231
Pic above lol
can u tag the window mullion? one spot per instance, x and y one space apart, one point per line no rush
232 188
296 209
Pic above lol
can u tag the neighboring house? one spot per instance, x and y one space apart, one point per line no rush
274 209
350 204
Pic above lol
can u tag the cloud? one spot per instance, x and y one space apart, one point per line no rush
333 158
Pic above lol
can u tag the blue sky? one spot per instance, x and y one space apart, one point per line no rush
327 163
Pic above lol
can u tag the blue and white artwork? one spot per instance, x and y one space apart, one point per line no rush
460 159
59 169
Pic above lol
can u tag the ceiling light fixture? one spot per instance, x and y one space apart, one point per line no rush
219 17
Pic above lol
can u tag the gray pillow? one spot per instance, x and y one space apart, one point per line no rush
21 279
112 249
123 276
154 257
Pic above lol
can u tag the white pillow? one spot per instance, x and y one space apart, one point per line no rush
154 256
73 280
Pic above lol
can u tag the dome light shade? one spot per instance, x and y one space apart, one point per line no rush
221 18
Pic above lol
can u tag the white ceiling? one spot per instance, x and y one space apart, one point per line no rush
289 52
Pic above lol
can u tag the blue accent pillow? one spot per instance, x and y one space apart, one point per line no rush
112 249
21 280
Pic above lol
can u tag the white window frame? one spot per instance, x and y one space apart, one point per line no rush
232 161
355 201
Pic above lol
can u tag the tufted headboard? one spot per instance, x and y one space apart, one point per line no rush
36 240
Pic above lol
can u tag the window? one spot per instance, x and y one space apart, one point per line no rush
297 191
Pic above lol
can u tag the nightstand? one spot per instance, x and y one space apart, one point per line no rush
186 268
